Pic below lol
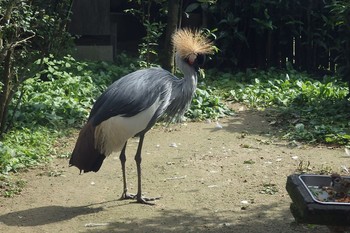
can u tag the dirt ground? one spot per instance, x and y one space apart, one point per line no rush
210 178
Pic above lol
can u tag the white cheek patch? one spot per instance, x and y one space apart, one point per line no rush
192 58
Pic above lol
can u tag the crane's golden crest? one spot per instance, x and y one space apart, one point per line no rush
189 43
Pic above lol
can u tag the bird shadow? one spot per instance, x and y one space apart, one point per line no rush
47 214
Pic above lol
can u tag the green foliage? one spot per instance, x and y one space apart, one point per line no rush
314 35
307 109
61 98
33 29
63 92
206 105
26 148
273 88
339 21
269 188
10 187
149 45
29 30
148 48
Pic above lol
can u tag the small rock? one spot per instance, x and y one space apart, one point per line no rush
345 168
347 151
218 126
96 224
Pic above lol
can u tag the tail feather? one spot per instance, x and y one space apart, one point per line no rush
85 156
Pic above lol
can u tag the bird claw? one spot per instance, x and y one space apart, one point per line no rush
139 199
146 200
127 196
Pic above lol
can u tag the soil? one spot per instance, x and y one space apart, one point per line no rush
228 176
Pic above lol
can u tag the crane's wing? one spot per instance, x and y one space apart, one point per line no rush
133 94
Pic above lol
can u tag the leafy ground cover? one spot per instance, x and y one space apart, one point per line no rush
303 108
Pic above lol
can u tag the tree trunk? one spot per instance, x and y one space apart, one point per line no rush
5 90
172 21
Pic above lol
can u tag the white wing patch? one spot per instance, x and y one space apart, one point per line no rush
112 134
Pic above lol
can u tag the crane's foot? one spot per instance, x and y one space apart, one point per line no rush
126 196
146 200
139 198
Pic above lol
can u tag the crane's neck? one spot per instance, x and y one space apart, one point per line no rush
182 91
190 74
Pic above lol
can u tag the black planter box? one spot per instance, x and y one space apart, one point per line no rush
307 209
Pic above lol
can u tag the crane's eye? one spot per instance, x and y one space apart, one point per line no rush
199 60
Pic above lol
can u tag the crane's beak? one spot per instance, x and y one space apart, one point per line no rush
201 58
196 62
199 62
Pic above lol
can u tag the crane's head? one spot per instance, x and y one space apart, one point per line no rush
191 46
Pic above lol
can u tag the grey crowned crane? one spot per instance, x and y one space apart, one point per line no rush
133 104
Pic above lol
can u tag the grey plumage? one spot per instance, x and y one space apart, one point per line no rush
137 91
133 104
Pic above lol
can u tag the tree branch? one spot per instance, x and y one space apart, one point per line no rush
17 43
12 45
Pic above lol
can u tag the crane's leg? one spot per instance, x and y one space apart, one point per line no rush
125 194
138 159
